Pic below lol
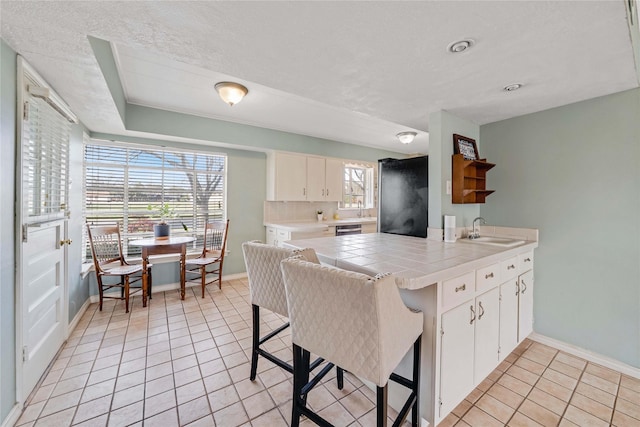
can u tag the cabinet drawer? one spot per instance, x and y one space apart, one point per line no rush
458 290
525 261
487 277
509 269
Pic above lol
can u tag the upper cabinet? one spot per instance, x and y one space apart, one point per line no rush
295 177
469 180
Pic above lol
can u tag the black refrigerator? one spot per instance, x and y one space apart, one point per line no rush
403 196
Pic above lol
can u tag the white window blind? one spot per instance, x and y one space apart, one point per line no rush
45 161
122 182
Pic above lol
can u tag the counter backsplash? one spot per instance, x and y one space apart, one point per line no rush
306 211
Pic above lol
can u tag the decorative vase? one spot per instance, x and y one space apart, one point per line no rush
319 217
161 231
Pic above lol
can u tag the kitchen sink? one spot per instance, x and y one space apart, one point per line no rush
495 241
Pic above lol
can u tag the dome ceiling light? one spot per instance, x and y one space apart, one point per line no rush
460 46
406 137
230 92
512 87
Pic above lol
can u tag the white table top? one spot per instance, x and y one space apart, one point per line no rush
416 262
161 242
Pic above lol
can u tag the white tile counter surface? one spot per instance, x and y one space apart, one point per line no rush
416 262
319 225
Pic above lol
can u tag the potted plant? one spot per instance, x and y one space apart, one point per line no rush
164 211
319 212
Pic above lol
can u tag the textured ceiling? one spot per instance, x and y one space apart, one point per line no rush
352 71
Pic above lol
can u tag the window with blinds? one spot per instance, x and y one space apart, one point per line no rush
45 153
129 184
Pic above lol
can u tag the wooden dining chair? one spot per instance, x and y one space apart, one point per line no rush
215 242
108 260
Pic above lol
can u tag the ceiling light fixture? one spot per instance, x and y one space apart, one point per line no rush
230 92
512 87
460 46
406 137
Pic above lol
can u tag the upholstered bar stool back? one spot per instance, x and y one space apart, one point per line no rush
356 322
266 289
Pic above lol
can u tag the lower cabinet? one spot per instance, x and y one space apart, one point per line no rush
456 359
470 340
276 236
484 314
487 334
525 305
509 295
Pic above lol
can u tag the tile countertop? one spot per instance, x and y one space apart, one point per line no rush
319 225
416 262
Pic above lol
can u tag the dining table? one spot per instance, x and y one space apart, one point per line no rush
154 246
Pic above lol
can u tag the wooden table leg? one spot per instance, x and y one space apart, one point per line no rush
145 278
183 268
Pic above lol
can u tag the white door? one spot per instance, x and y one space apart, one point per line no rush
509 292
456 357
487 334
43 300
525 318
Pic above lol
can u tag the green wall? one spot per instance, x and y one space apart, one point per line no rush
573 172
442 126
7 232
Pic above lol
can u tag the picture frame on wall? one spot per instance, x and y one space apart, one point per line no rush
465 146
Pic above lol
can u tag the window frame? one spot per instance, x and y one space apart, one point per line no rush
197 226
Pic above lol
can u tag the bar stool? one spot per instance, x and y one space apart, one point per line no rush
356 322
266 290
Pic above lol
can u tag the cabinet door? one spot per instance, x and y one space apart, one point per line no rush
525 315
271 236
509 292
487 334
456 356
291 177
281 237
315 179
334 177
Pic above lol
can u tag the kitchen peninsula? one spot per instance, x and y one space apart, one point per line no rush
477 301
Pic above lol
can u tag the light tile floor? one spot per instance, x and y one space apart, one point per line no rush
187 363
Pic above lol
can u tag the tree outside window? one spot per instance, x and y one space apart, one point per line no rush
354 186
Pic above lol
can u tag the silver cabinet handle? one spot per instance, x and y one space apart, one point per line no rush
517 289
473 315
304 191
486 276
327 191
481 310
461 288
527 260
525 287
511 267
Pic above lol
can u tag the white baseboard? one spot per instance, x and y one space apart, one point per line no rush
77 317
176 285
13 416
588 355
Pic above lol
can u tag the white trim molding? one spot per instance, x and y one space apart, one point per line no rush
588 355
77 317
12 418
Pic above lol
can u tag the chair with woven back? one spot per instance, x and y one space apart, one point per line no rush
109 261
214 246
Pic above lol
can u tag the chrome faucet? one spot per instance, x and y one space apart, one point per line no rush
476 233
360 209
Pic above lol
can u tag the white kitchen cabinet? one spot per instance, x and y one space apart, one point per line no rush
456 360
294 177
525 308
272 236
289 180
277 235
487 334
509 297
369 228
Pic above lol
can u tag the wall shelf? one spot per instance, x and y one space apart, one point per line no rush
469 180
